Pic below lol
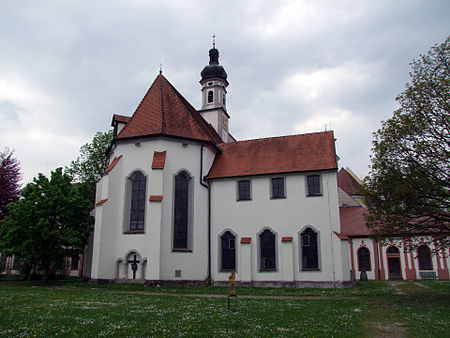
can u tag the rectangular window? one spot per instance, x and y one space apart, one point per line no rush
244 190
313 182
74 263
278 187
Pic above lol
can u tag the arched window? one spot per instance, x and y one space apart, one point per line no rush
392 250
364 259
181 211
424 254
223 99
267 250
228 246
210 96
310 252
137 205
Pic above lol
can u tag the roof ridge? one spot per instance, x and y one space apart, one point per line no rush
137 108
198 119
163 113
279 137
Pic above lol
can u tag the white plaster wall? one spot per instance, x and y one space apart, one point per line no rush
212 117
155 245
286 217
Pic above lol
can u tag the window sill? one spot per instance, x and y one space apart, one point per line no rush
315 195
227 270
243 200
134 232
268 270
310 270
182 250
278 198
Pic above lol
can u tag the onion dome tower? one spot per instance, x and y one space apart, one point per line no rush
214 83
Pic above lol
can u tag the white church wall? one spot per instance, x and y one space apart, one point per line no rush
193 264
155 244
286 218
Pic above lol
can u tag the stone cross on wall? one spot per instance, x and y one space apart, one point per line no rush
134 265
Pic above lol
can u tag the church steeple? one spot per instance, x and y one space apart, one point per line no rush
214 83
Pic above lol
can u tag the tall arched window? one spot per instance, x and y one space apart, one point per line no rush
424 254
210 96
364 259
181 211
309 247
228 255
137 205
267 250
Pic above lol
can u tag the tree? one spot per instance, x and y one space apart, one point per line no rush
9 180
51 221
408 187
91 163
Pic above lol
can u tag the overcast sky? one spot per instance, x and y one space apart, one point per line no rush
293 66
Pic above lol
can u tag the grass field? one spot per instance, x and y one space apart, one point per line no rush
69 309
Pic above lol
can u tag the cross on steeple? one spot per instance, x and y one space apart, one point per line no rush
160 68
214 40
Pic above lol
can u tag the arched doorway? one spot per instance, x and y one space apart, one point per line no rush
394 266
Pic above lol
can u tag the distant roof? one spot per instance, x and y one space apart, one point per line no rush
120 118
285 154
353 222
348 183
164 111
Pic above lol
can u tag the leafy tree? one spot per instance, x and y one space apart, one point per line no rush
51 221
9 180
408 187
91 163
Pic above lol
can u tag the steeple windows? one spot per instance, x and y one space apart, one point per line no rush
210 96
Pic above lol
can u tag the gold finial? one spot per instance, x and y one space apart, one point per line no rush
214 40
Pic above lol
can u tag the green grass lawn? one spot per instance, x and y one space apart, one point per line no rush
72 308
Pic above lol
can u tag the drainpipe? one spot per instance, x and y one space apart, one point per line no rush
208 187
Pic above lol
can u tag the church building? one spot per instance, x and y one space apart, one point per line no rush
183 202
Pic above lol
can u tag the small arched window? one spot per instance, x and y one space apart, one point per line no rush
228 246
310 251
267 250
364 259
210 96
424 254
392 250
223 99
181 211
137 205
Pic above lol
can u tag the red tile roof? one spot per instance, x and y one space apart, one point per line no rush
348 183
112 165
285 154
353 222
164 111
341 236
159 159
120 118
